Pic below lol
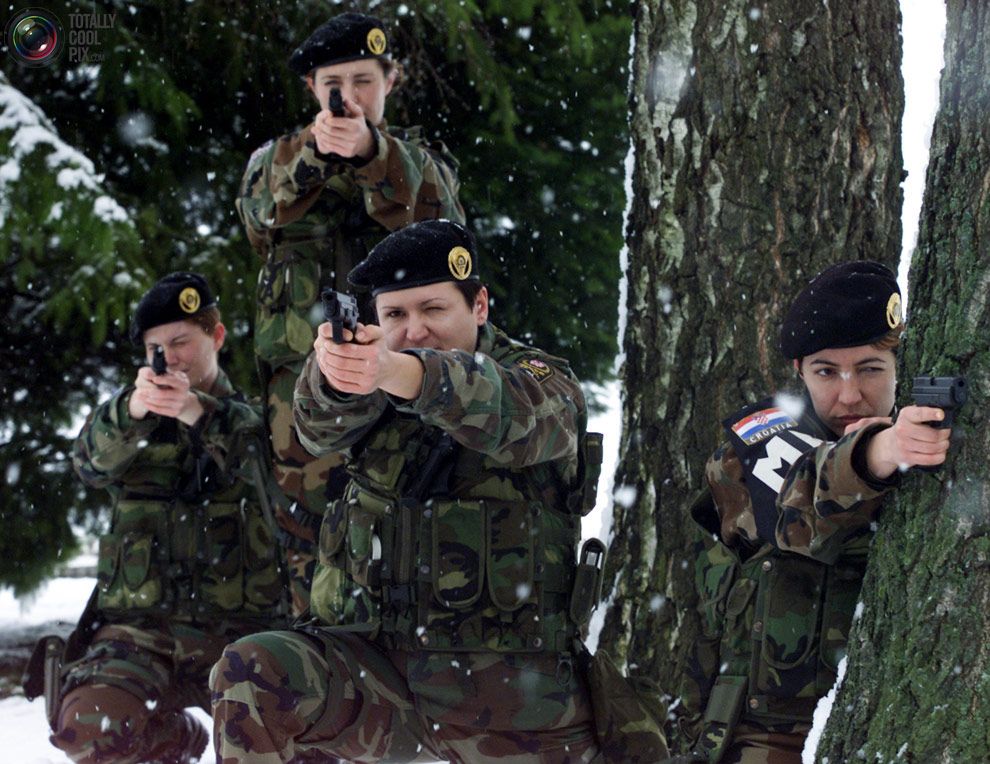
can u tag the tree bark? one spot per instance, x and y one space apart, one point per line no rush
918 684
765 146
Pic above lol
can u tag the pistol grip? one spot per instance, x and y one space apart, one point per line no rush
338 332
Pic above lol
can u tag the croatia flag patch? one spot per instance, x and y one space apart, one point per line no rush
760 425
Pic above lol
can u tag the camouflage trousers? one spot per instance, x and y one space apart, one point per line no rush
123 701
307 481
284 694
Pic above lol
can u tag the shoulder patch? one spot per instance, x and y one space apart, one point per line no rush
760 425
537 368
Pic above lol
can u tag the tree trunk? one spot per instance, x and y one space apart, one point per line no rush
918 684
765 146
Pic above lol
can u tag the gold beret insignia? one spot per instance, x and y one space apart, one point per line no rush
189 300
376 41
894 310
459 263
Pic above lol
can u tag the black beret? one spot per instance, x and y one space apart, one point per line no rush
419 254
846 305
346 37
176 297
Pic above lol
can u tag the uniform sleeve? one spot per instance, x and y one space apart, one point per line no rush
110 440
828 497
281 181
328 421
519 414
408 181
403 182
727 482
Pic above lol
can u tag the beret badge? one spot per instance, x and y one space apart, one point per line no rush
459 262
376 41
189 300
894 310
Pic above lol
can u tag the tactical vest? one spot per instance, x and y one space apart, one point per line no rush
779 621
318 250
482 561
201 548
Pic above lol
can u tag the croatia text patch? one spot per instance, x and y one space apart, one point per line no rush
760 425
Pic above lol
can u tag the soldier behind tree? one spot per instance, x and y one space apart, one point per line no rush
443 602
786 521
314 202
189 562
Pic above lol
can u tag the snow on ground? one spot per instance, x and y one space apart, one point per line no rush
23 728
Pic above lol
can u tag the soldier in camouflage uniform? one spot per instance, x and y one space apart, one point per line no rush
786 522
448 602
314 202
189 561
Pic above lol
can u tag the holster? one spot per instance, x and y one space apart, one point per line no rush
587 590
722 715
43 674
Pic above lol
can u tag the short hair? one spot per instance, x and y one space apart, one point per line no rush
390 65
469 290
891 340
207 319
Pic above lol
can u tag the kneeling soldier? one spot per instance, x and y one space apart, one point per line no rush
189 563
446 624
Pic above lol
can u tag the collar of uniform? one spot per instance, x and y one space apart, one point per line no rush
221 386
486 338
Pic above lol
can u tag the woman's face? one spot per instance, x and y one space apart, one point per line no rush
849 384
362 81
189 349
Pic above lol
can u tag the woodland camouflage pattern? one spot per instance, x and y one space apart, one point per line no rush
451 602
271 694
518 438
792 602
312 218
188 565
123 700
178 545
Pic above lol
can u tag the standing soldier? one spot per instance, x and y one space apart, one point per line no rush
314 202
787 520
189 562
448 604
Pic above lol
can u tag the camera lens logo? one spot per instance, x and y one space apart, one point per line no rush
35 37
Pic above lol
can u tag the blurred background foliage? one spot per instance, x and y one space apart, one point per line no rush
119 169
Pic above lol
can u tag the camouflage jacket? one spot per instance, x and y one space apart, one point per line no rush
312 217
188 536
776 616
458 528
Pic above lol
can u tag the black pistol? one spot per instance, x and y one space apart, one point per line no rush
335 103
946 393
341 310
158 364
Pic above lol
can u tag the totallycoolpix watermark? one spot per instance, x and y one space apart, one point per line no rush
37 37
